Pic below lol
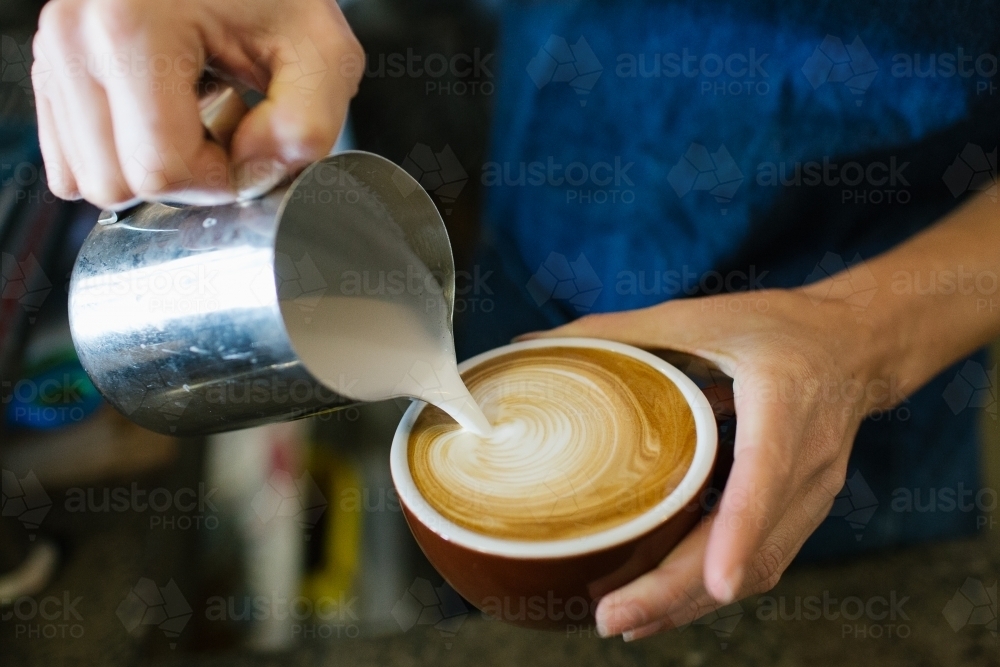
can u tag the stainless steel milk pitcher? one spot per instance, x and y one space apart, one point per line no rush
180 314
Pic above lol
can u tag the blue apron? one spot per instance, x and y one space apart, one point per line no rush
646 151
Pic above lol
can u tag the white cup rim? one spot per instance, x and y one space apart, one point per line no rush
691 484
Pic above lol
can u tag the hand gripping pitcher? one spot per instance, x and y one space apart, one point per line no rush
335 288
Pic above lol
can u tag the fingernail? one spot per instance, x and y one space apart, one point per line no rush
257 177
727 587
192 197
134 201
601 617
643 632
612 620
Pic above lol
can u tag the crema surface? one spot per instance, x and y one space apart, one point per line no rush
584 439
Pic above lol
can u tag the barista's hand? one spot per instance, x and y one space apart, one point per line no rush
802 386
807 369
117 106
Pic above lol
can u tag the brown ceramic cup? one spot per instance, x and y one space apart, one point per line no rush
556 584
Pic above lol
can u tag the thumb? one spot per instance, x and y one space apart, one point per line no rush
305 108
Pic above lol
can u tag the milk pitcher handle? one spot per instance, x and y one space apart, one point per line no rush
221 108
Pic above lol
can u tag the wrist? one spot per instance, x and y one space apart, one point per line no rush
893 350
872 340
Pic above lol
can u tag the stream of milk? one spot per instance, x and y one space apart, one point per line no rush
372 349
364 312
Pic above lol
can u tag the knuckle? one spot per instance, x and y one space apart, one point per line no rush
831 480
782 468
117 19
309 138
356 52
57 18
58 181
41 74
789 368
151 191
149 186
689 609
825 456
62 189
104 195
37 44
767 568
158 167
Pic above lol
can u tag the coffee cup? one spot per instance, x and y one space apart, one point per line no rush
556 583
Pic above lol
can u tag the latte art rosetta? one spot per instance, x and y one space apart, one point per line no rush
584 439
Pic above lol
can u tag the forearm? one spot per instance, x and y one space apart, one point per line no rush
937 297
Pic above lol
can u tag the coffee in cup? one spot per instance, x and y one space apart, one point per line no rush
594 472
584 439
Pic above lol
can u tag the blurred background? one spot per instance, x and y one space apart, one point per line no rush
119 546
